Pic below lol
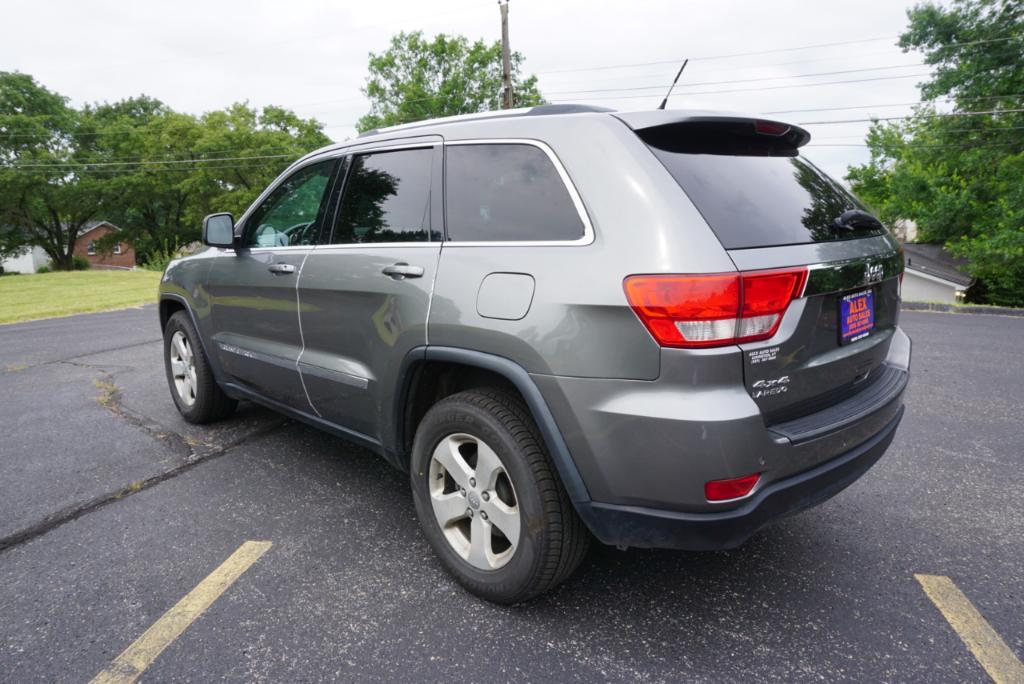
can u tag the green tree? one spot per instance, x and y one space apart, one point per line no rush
272 138
44 200
178 167
416 79
959 177
144 195
150 170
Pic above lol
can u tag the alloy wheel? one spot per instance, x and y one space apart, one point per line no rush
474 501
183 368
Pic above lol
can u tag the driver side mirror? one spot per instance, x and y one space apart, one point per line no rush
219 230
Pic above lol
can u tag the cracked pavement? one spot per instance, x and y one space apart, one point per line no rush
112 508
101 425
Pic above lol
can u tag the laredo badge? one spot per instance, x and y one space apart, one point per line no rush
768 388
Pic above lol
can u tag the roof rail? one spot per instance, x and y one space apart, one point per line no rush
538 110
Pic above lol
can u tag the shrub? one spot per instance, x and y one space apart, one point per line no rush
45 268
158 259
79 263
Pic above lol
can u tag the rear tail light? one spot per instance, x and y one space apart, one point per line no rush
726 490
716 309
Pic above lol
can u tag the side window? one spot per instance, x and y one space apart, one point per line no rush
290 215
506 192
387 198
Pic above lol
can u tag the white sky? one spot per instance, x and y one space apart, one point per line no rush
311 55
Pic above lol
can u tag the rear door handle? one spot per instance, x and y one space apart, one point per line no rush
282 268
402 270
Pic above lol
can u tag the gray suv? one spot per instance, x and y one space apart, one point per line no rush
653 329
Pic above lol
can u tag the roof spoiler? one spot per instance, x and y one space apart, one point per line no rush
716 134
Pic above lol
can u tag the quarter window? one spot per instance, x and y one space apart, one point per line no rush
291 215
387 198
507 192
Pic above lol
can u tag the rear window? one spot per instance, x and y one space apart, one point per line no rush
506 192
761 200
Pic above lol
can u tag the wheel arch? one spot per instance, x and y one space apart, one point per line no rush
421 383
170 304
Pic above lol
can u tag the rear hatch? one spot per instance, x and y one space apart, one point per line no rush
773 209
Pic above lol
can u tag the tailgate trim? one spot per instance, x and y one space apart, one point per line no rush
852 274
886 387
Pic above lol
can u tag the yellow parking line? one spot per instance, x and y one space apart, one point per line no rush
987 646
136 658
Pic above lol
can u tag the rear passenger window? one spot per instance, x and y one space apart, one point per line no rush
387 198
506 192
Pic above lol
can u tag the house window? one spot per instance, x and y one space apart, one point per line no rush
117 248
91 249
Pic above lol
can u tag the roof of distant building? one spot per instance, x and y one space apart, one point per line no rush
934 260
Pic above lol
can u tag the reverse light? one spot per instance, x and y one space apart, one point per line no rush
713 310
735 488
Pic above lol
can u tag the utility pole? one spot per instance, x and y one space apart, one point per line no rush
506 59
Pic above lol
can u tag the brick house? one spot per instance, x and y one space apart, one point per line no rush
121 256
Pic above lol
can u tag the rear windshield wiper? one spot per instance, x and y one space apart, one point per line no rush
855 219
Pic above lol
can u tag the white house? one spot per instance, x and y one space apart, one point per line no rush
933 275
26 262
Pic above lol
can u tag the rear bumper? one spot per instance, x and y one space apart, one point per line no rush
650 527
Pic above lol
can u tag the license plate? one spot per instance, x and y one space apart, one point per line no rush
856 316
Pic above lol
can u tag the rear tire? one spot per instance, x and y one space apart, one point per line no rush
532 538
195 392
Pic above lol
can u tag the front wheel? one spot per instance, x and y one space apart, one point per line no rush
195 392
489 500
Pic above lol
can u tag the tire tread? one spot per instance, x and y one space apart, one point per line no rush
568 539
212 404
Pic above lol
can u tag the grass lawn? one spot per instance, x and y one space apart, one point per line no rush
45 295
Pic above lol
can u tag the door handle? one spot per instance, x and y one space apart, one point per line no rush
402 270
282 268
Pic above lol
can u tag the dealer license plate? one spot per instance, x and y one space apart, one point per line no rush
856 316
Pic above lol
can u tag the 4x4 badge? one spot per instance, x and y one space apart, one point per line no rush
770 387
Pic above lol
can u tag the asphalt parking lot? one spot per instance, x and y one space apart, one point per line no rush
112 510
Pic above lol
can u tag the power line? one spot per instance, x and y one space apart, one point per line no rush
966 145
986 131
347 101
893 104
819 109
220 167
118 128
141 157
742 80
712 57
767 65
746 90
997 129
913 116
759 52
144 163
